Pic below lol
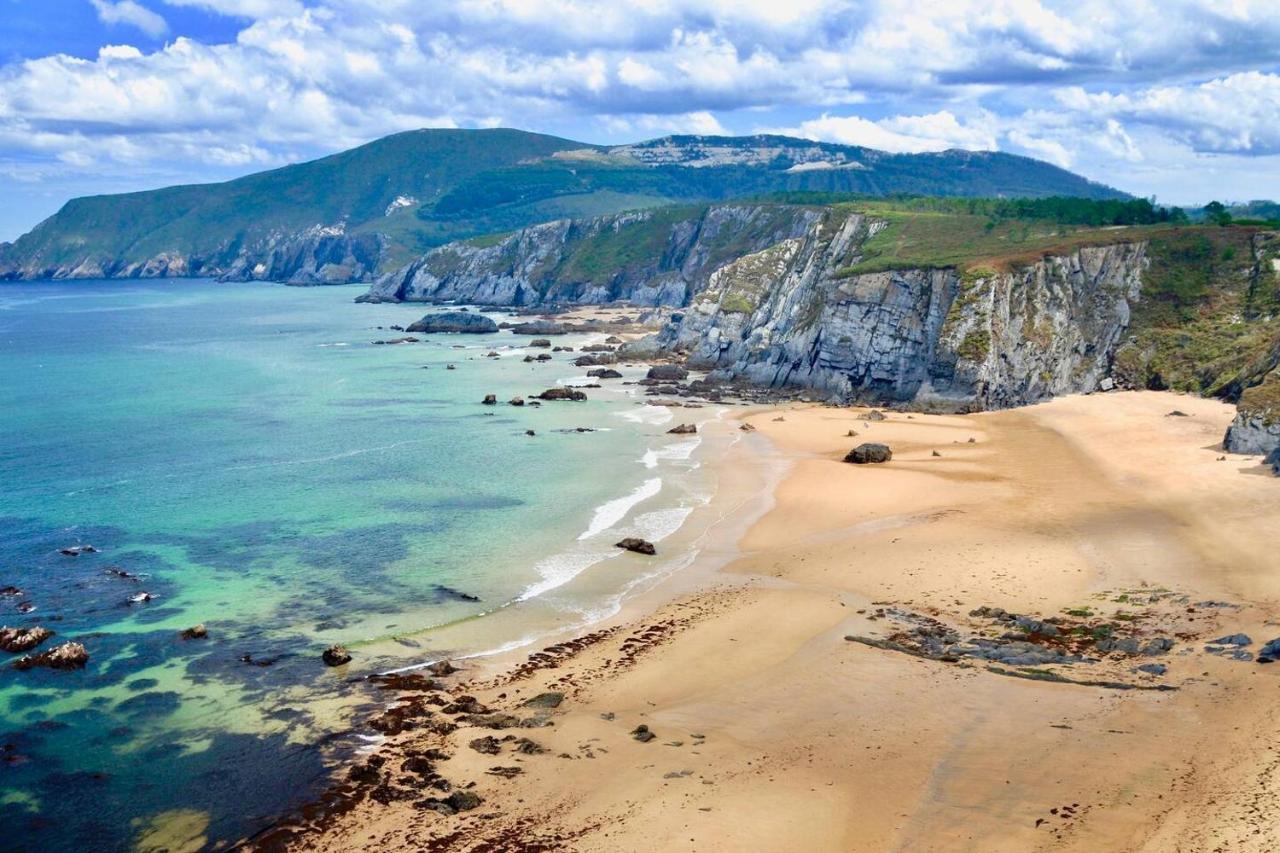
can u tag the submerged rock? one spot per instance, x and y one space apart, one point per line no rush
336 655
16 640
65 656
639 546
460 322
869 453
539 342
196 632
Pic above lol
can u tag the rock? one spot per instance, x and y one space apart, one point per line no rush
869 453
196 632
1270 652
490 400
639 546
1234 640
873 415
642 733
465 705
442 668
65 656
539 327
77 550
487 745
747 427
16 640
458 322
613 339
1157 646
539 342
463 801
141 598
593 360
667 373
597 348
604 373
529 432
450 367
10 590
1273 459
1176 413
516 401
683 429
1152 668
336 656
563 393
936 453
544 700
1107 384
524 746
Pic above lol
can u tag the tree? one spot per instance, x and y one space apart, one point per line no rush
1216 212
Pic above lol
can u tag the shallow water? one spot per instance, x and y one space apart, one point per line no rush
261 467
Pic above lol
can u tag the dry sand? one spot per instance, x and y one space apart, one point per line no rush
774 732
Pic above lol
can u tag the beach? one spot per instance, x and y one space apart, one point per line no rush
792 680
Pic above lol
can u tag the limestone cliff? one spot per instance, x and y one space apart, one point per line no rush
1256 428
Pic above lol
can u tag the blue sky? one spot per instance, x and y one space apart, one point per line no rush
1172 98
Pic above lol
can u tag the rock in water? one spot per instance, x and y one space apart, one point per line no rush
516 401
539 327
604 373
667 373
640 546
490 400
65 656
562 393
683 429
869 453
22 639
198 632
539 342
461 322
336 656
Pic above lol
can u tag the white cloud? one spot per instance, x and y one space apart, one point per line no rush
131 13
244 8
902 134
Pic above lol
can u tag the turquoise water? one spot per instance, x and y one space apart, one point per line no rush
264 469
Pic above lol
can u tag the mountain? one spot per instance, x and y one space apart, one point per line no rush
356 214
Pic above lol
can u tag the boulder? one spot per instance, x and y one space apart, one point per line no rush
594 360
639 546
613 339
873 415
563 393
539 342
442 668
667 373
747 427
1270 652
604 373
460 322
516 401
545 700
539 327
197 632
490 400
65 656
683 429
869 453
642 733
336 656
16 640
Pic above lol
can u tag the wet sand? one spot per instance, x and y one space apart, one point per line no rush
775 732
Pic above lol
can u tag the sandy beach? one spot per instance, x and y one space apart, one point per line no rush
801 681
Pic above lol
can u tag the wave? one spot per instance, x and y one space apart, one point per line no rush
610 513
679 451
647 414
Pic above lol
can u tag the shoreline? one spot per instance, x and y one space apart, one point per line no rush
773 730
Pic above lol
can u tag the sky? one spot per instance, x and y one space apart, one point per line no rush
1168 98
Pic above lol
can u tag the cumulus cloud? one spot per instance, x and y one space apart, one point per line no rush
132 14
1123 94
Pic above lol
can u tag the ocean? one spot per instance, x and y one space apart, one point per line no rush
247 456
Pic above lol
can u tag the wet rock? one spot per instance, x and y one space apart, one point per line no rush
442 668
141 598
195 632
65 656
336 656
497 720
597 348
642 733
15 640
539 342
562 393
487 745
869 453
77 550
594 360
10 590
465 705
490 400
604 373
683 429
516 401
529 432
667 373
539 327
613 339
639 546
457 322
545 700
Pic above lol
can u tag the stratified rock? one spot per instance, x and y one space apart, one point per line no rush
1256 428
16 640
563 393
336 656
667 373
65 656
869 453
639 546
683 429
197 632
462 322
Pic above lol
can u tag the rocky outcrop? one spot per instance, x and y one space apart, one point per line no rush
653 257
1256 428
792 315
458 322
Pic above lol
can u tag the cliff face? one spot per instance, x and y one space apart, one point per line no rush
319 255
788 316
654 257
1256 428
